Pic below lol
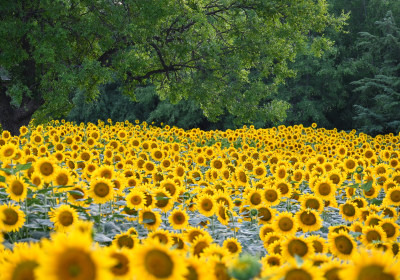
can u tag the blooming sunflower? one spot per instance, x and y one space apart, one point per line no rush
63 217
373 234
312 202
178 219
271 195
200 243
285 224
371 264
135 199
46 167
392 197
101 190
13 218
391 229
299 246
308 220
342 245
206 205
72 256
125 240
325 189
198 269
233 246
349 211
8 151
150 219
294 270
17 189
155 261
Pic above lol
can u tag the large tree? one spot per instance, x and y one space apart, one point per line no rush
226 55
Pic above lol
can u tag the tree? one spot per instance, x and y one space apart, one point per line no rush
225 55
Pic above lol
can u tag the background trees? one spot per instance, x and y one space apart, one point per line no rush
226 56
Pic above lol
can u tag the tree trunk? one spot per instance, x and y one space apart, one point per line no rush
11 117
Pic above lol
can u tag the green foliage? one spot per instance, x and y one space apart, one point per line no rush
226 56
380 115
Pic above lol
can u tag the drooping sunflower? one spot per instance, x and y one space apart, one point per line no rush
101 190
342 245
72 256
63 217
17 189
299 246
12 216
285 224
149 218
371 264
308 220
178 219
156 261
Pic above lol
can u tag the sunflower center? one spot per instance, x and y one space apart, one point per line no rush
170 188
324 189
121 268
335 178
298 274
46 168
125 241
149 216
8 152
273 261
161 237
158 264
308 218
312 203
192 274
343 245
101 189
106 174
332 274
17 188
62 179
318 248
11 217
281 173
222 212
232 247
66 218
349 210
136 200
264 214
271 195
297 247
199 248
389 229
373 272
373 235
395 196
217 164
259 171
179 218
255 199
207 205
24 271
283 188
163 200
285 224
75 264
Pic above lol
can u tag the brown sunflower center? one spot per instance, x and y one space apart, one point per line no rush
308 218
312 203
232 247
125 241
158 264
318 247
373 235
76 264
101 189
24 270
46 169
298 274
222 212
324 189
17 188
136 200
373 272
150 217
191 274
389 229
297 247
395 196
274 261
206 204
122 266
11 217
264 214
271 195
199 248
62 179
349 210
332 274
179 218
283 187
344 245
255 199
66 218
285 224
8 152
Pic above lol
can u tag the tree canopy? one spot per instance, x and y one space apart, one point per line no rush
226 55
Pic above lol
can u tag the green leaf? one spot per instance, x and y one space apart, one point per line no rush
162 198
355 186
21 167
367 186
148 221
2 179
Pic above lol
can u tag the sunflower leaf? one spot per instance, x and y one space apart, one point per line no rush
76 192
367 186
2 179
21 167
148 221
102 238
355 186
162 198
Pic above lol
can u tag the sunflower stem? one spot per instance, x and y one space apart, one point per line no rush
99 213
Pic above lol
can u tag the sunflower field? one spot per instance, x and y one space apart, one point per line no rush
137 201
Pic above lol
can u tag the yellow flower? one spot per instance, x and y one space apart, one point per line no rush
285 224
17 189
47 168
299 246
342 245
101 190
63 217
308 220
150 219
154 261
178 219
135 199
13 218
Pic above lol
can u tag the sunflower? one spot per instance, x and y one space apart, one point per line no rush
122 268
13 218
171 187
391 229
156 261
349 211
221 212
271 260
21 263
163 236
308 220
284 187
260 171
233 246
254 197
63 217
270 238
135 199
206 205
373 234
198 269
8 151
17 189
265 214
331 269
285 224
105 172
163 200
371 264
392 197
200 243
63 178
310 201
72 256
325 189
178 219
125 240
150 219
350 164
264 230
319 243
46 168
193 232
299 246
241 177
101 190
342 245
271 196
298 271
